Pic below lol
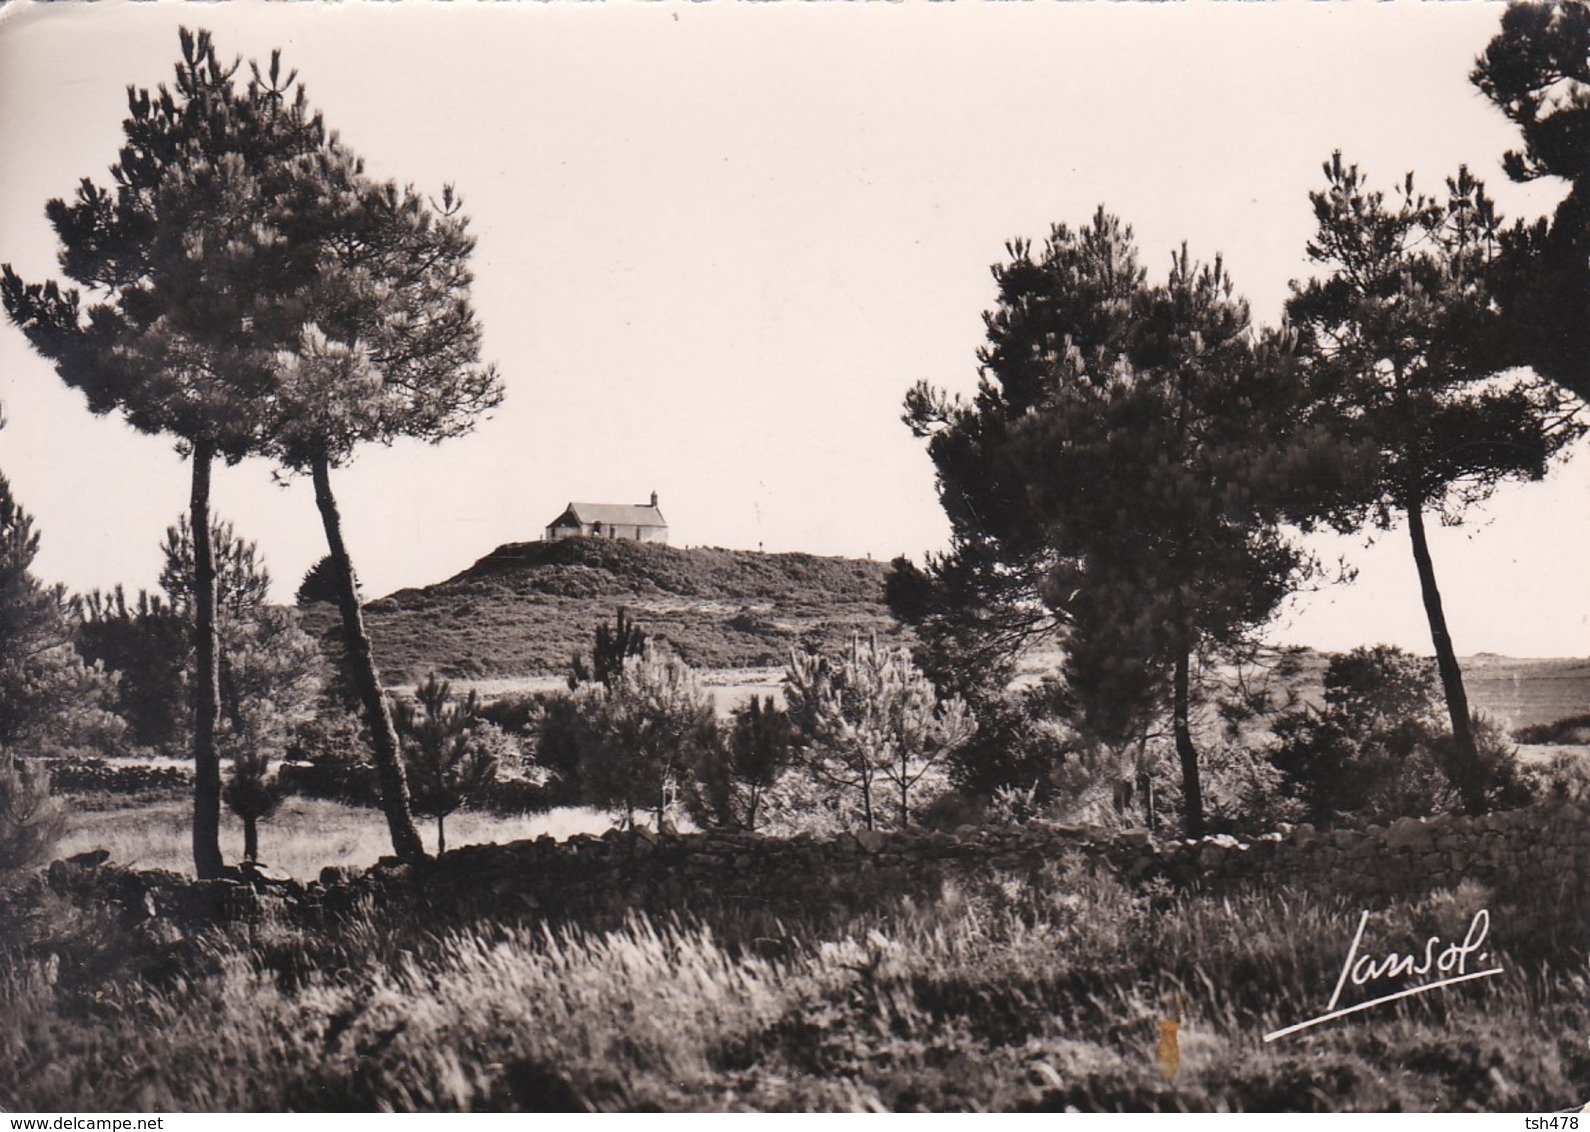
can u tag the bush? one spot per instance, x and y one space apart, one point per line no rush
329 757
1565 778
31 821
73 774
516 713
1506 785
450 753
1019 744
560 735
642 740
735 774
1377 751
1570 731
870 724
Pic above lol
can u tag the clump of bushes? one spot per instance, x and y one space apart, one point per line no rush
1377 750
1573 730
329 757
865 742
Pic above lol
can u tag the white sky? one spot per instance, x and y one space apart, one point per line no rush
717 242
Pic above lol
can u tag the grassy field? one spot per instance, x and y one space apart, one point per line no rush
1521 692
1517 692
1021 993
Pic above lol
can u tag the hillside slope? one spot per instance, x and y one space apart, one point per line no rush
523 609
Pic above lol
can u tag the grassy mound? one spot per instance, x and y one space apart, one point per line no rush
526 607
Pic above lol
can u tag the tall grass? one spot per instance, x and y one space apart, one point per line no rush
1023 993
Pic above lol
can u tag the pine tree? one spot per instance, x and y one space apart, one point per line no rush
43 685
271 671
613 647
287 304
1537 72
319 583
242 583
870 722
194 269
48 696
1120 478
146 645
642 737
735 773
389 347
1406 351
450 752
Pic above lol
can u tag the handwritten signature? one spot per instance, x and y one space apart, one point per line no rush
1448 963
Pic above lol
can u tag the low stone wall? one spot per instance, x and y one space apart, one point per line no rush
1536 859
1542 852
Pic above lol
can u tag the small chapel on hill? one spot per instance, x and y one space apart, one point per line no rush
642 522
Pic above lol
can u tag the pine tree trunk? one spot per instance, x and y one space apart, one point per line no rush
251 838
441 835
1191 787
207 859
1145 785
1468 776
367 681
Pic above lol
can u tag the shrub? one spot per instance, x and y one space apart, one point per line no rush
870 722
450 753
329 757
1134 785
734 774
560 736
31 821
1565 778
1505 784
74 774
515 713
642 739
1570 731
1019 744
1244 792
1373 753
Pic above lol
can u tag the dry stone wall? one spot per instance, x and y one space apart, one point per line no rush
1537 859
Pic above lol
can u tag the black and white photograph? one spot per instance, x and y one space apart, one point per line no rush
795 556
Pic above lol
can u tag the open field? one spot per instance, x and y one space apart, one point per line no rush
1524 692
1517 692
